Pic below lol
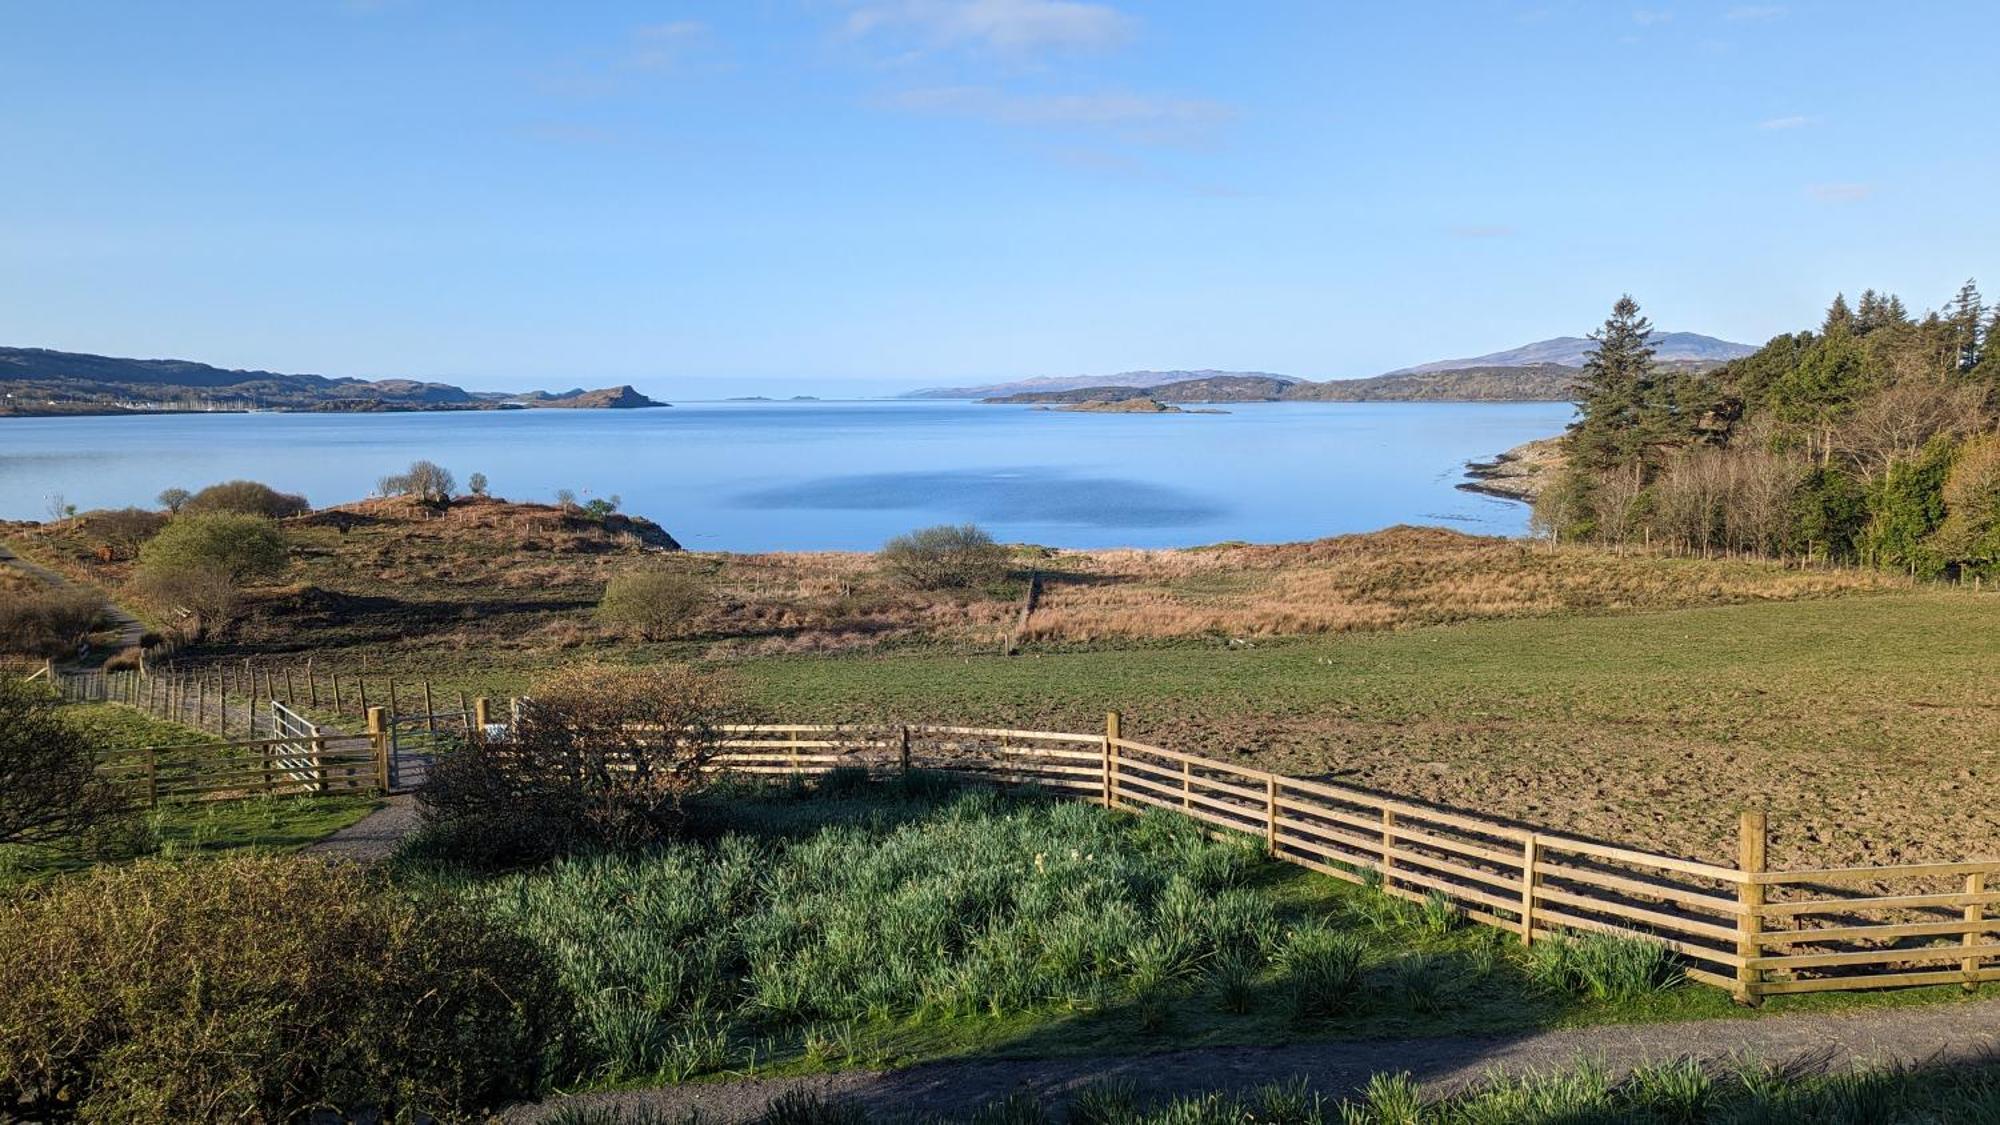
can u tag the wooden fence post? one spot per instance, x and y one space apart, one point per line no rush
1271 814
430 712
903 749
1752 841
1113 725
378 731
482 714
312 685
152 777
1530 857
1975 913
362 686
1187 785
1388 845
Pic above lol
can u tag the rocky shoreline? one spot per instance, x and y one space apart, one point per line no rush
1518 474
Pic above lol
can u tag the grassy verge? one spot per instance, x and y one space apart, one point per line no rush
884 927
183 827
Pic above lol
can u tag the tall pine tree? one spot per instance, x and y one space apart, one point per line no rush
1839 318
1621 405
1963 319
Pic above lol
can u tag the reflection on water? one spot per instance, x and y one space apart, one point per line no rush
764 476
1000 496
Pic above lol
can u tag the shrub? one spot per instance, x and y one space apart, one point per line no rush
262 988
424 481
196 567
602 756
49 788
944 557
47 622
476 483
174 499
242 547
124 529
246 497
653 604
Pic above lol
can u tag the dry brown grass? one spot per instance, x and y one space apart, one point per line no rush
1384 580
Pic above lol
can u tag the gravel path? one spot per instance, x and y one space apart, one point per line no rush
1938 1033
374 836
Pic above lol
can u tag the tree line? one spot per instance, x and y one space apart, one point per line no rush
1871 439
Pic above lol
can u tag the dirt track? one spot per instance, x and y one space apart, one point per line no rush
1956 1032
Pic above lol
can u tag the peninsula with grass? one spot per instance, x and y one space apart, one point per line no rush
39 382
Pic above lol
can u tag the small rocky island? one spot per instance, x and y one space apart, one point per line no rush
1124 406
1518 474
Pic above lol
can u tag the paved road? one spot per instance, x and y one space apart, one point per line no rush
129 628
1940 1033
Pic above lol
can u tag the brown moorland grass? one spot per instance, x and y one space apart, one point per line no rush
517 583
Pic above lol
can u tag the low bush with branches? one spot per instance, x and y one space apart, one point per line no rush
601 757
944 557
426 482
50 791
244 497
654 603
264 989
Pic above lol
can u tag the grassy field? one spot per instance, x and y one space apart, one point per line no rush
184 827
1868 727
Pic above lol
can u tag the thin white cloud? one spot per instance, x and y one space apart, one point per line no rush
1647 17
1137 117
1744 13
1483 230
1796 121
663 46
1840 193
1007 26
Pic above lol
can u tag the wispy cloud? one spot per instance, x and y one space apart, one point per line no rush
663 46
1840 193
1482 230
1647 17
1745 13
1006 26
1796 121
1137 117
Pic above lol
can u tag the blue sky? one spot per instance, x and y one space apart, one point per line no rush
772 196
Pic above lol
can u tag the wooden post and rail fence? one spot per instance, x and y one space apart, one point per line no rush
1741 927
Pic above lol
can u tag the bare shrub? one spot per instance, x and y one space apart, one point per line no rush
424 481
264 989
654 603
247 497
944 557
601 756
50 791
174 499
36 621
124 529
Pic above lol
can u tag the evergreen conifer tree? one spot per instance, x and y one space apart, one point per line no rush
1621 407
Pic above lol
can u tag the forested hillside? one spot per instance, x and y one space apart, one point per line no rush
1870 439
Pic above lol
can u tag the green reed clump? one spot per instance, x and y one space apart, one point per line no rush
977 904
1602 967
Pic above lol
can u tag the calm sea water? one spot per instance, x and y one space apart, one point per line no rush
764 476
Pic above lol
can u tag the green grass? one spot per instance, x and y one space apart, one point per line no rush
889 927
275 824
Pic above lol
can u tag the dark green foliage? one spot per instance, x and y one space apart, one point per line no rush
1602 967
1905 509
262 989
1626 403
1836 443
49 789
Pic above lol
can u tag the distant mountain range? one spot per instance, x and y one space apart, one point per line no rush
1570 351
41 381
1544 371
